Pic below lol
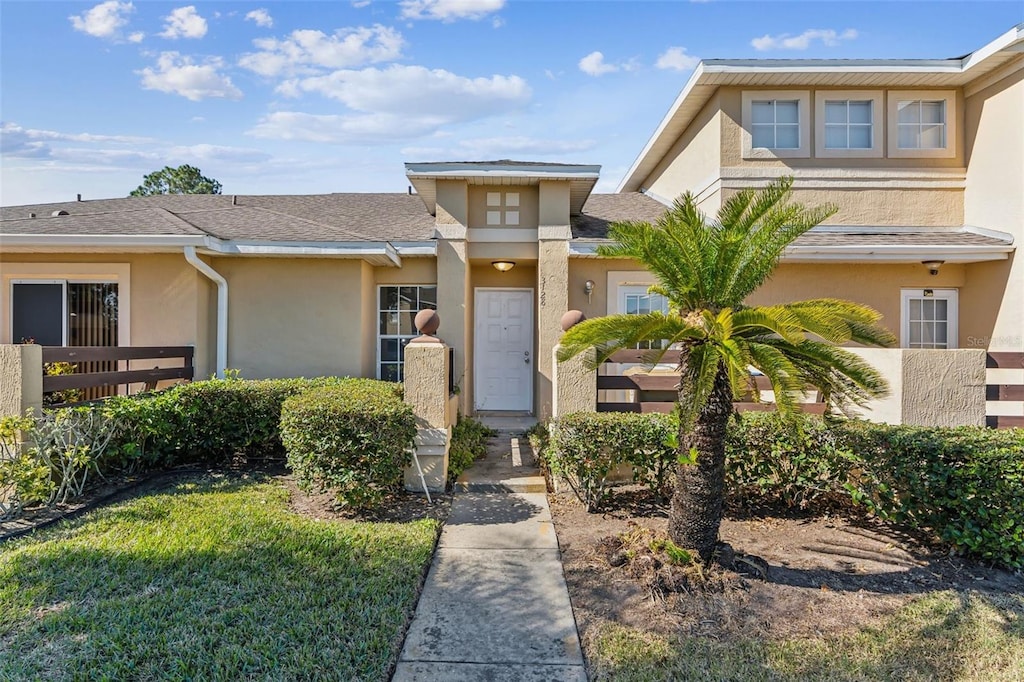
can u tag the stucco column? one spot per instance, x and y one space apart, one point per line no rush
553 235
453 293
574 385
21 379
426 390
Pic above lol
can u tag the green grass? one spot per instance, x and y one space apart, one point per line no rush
943 636
208 580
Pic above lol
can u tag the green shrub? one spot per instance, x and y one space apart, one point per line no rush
586 447
797 461
202 421
469 443
353 438
23 479
966 485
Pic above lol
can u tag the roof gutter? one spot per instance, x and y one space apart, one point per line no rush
222 306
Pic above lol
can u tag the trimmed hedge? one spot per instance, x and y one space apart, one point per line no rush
203 421
966 485
586 447
353 439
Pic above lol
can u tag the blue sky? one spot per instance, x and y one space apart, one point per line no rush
310 97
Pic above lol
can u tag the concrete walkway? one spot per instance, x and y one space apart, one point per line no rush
495 605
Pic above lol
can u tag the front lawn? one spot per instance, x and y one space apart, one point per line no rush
945 635
209 579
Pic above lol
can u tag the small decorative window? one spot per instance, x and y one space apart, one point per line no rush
396 311
503 208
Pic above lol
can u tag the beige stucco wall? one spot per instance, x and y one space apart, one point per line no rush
291 317
452 202
693 161
554 203
873 207
994 198
980 288
168 298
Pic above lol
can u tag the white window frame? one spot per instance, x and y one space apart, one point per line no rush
376 318
952 298
74 273
803 98
875 97
892 120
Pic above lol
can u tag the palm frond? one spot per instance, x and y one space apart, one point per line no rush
617 332
698 369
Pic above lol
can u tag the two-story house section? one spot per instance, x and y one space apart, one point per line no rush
924 159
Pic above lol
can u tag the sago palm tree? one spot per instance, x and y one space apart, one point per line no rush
706 269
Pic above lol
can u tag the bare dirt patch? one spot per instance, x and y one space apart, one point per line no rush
397 507
821 575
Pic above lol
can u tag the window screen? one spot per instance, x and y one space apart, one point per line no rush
38 313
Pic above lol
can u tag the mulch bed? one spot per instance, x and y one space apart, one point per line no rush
796 574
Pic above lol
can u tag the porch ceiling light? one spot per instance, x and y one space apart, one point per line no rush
503 265
933 265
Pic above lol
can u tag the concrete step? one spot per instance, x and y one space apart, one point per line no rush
509 466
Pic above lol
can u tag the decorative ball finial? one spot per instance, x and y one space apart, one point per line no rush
427 321
572 318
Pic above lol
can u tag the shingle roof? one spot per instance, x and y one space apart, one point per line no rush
604 209
285 218
876 238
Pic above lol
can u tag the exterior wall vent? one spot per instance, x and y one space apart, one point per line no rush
56 214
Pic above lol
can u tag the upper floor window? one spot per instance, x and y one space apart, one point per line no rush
848 123
503 208
776 124
922 123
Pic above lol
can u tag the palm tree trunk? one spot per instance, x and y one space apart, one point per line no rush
696 512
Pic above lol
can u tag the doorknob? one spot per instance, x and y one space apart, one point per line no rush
526 357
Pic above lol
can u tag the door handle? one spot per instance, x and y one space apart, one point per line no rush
526 357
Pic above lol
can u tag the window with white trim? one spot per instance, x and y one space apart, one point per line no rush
503 209
922 123
636 300
848 124
929 318
776 124
396 309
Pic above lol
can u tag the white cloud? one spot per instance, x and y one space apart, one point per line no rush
675 58
417 91
449 10
261 17
785 41
497 22
305 51
400 102
359 4
184 22
213 152
179 75
136 37
595 65
105 20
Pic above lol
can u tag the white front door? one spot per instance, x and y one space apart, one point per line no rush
503 350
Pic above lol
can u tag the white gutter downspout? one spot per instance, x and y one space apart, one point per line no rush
222 306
